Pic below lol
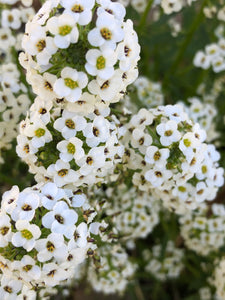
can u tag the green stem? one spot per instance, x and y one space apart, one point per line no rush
189 36
144 16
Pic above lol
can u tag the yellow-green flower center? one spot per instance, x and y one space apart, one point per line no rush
204 169
77 8
63 172
4 230
64 30
27 268
157 155
41 45
168 133
26 148
187 142
106 34
70 123
39 132
26 207
26 234
71 83
50 247
8 289
71 148
182 189
100 63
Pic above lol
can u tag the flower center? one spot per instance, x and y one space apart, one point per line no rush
96 131
193 161
89 160
70 123
182 189
51 273
77 8
26 234
26 148
168 133
10 18
187 142
158 174
39 132
50 247
27 268
100 64
71 148
105 85
157 155
70 83
41 45
106 34
59 219
42 111
8 289
204 169
48 86
26 207
127 51
64 30
63 172
200 192
4 230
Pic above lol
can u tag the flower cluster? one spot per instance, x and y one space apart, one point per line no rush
164 265
45 234
212 56
75 54
203 230
219 279
133 213
114 272
67 147
168 154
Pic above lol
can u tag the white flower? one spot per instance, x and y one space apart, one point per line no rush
79 238
64 29
61 220
9 288
26 235
26 206
5 230
168 133
188 143
52 246
53 274
27 268
113 8
70 84
97 132
38 44
202 60
80 10
61 173
69 124
39 134
158 175
108 31
51 194
101 63
11 18
9 199
70 149
157 156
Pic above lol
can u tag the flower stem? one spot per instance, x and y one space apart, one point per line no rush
144 16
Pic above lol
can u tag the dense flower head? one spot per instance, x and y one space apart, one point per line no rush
68 147
167 151
45 233
133 214
203 230
165 263
114 272
82 54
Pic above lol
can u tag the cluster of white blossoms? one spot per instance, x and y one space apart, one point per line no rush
203 229
115 270
149 92
168 6
165 264
45 234
67 147
219 279
14 100
77 53
213 55
203 112
133 213
14 103
26 3
168 154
